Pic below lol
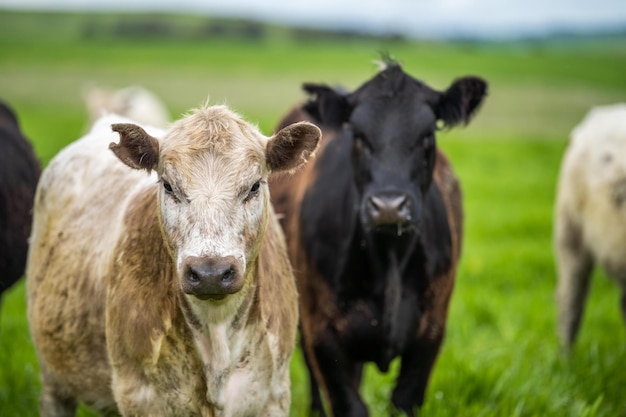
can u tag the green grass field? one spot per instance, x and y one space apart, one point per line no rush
501 356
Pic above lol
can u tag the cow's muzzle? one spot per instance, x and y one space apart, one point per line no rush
389 209
211 278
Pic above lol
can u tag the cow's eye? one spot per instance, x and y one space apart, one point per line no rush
254 190
428 143
429 149
169 190
362 144
167 187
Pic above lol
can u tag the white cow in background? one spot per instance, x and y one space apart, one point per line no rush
135 103
590 215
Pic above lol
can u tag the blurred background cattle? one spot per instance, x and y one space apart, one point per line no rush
135 102
19 172
590 215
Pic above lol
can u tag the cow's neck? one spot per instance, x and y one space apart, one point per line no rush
386 251
392 278
388 256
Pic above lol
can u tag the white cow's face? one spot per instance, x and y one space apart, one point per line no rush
213 209
213 193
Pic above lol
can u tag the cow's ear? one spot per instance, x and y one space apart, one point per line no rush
292 146
461 100
137 149
327 106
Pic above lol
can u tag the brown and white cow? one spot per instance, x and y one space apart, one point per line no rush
374 228
167 293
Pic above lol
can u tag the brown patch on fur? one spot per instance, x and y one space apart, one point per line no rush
434 318
451 193
277 289
142 297
137 148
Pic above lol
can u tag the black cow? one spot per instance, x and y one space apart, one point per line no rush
374 230
19 172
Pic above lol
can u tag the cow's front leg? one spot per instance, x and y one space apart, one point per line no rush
574 265
341 376
316 406
417 363
54 400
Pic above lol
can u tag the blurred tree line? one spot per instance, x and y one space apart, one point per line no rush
177 27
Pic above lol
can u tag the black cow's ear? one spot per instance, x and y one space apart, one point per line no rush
327 106
137 148
292 146
461 100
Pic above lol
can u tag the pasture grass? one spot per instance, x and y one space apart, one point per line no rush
500 356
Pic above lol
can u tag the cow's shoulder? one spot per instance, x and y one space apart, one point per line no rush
452 196
443 218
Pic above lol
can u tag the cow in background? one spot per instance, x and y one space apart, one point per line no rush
158 282
374 229
136 103
590 214
19 172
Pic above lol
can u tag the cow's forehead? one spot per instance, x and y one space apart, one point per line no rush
394 107
217 130
390 83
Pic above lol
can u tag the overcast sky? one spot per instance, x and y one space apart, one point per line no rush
411 17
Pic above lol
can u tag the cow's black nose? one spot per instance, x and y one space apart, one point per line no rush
389 208
211 278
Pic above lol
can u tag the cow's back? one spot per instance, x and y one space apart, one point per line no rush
83 189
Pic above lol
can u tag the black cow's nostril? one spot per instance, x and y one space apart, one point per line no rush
389 208
374 205
398 203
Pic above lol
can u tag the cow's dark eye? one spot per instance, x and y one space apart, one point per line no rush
428 143
169 190
254 190
361 144
428 150
167 187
